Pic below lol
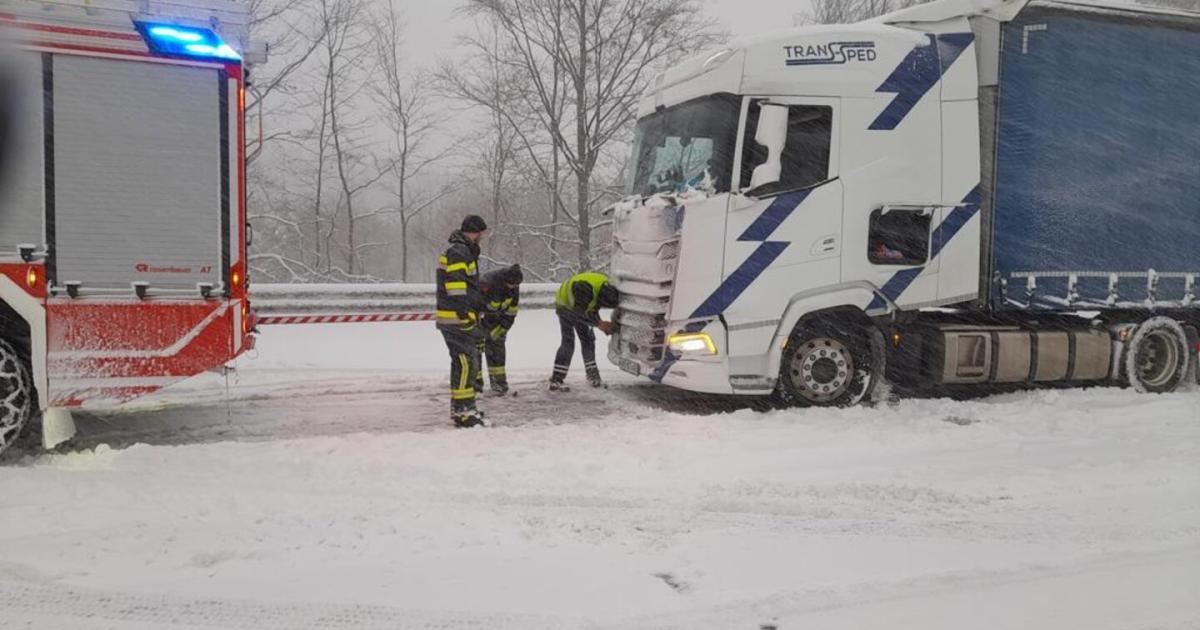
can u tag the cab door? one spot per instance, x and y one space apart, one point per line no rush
782 238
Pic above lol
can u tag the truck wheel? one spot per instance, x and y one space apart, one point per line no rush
827 364
1156 359
16 395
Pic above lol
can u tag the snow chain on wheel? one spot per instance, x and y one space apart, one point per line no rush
1156 358
827 364
16 395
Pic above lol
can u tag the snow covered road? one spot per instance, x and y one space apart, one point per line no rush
332 494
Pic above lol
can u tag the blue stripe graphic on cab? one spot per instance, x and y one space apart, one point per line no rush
956 220
941 236
760 230
917 73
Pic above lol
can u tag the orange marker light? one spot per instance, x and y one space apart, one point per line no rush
31 277
237 278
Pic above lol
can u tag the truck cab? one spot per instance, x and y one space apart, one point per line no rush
792 173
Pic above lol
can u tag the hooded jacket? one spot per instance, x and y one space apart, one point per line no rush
458 298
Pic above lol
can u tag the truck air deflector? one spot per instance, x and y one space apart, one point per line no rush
917 73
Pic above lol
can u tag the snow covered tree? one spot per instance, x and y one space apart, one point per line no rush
576 71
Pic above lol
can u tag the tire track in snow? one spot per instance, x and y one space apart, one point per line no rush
1143 585
56 601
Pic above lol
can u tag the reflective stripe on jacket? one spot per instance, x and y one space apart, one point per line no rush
458 298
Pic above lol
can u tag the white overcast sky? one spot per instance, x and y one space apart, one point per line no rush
431 28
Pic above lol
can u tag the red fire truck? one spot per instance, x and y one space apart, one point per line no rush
122 210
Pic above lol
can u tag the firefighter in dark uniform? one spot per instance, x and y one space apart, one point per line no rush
578 305
458 306
501 292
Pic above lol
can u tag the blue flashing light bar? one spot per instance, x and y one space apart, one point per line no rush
174 40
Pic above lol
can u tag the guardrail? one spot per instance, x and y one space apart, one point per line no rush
277 304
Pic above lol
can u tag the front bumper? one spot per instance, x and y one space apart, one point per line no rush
708 374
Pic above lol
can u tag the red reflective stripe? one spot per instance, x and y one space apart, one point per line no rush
273 320
83 32
94 49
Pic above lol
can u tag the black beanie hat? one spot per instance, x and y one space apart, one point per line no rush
474 223
513 275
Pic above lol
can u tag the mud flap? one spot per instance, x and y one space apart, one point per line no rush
878 390
1193 337
57 427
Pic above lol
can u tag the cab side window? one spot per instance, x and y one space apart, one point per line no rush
899 237
805 160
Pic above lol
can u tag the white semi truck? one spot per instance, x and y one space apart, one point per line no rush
965 193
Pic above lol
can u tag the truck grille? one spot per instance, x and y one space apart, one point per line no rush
645 257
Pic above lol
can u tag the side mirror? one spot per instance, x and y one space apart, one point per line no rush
772 134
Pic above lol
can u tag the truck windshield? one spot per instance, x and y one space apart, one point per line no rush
685 145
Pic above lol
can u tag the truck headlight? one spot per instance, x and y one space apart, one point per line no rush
692 343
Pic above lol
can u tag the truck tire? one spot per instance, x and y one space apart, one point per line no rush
16 395
1156 359
828 364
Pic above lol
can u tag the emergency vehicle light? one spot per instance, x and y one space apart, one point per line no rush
170 32
186 41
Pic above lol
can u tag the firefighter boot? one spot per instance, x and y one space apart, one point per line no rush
593 376
499 377
469 418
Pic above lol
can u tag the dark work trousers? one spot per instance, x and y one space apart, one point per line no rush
494 351
464 367
571 325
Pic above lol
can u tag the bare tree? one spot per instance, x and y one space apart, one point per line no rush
580 67
517 143
343 51
290 36
406 111
285 29
310 189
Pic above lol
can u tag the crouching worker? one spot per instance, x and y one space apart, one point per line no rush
501 291
458 300
578 306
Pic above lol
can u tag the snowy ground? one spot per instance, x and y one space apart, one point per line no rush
331 493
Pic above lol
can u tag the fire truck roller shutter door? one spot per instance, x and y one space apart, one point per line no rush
118 125
21 181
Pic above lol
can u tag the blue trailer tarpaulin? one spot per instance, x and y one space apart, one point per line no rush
1098 160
